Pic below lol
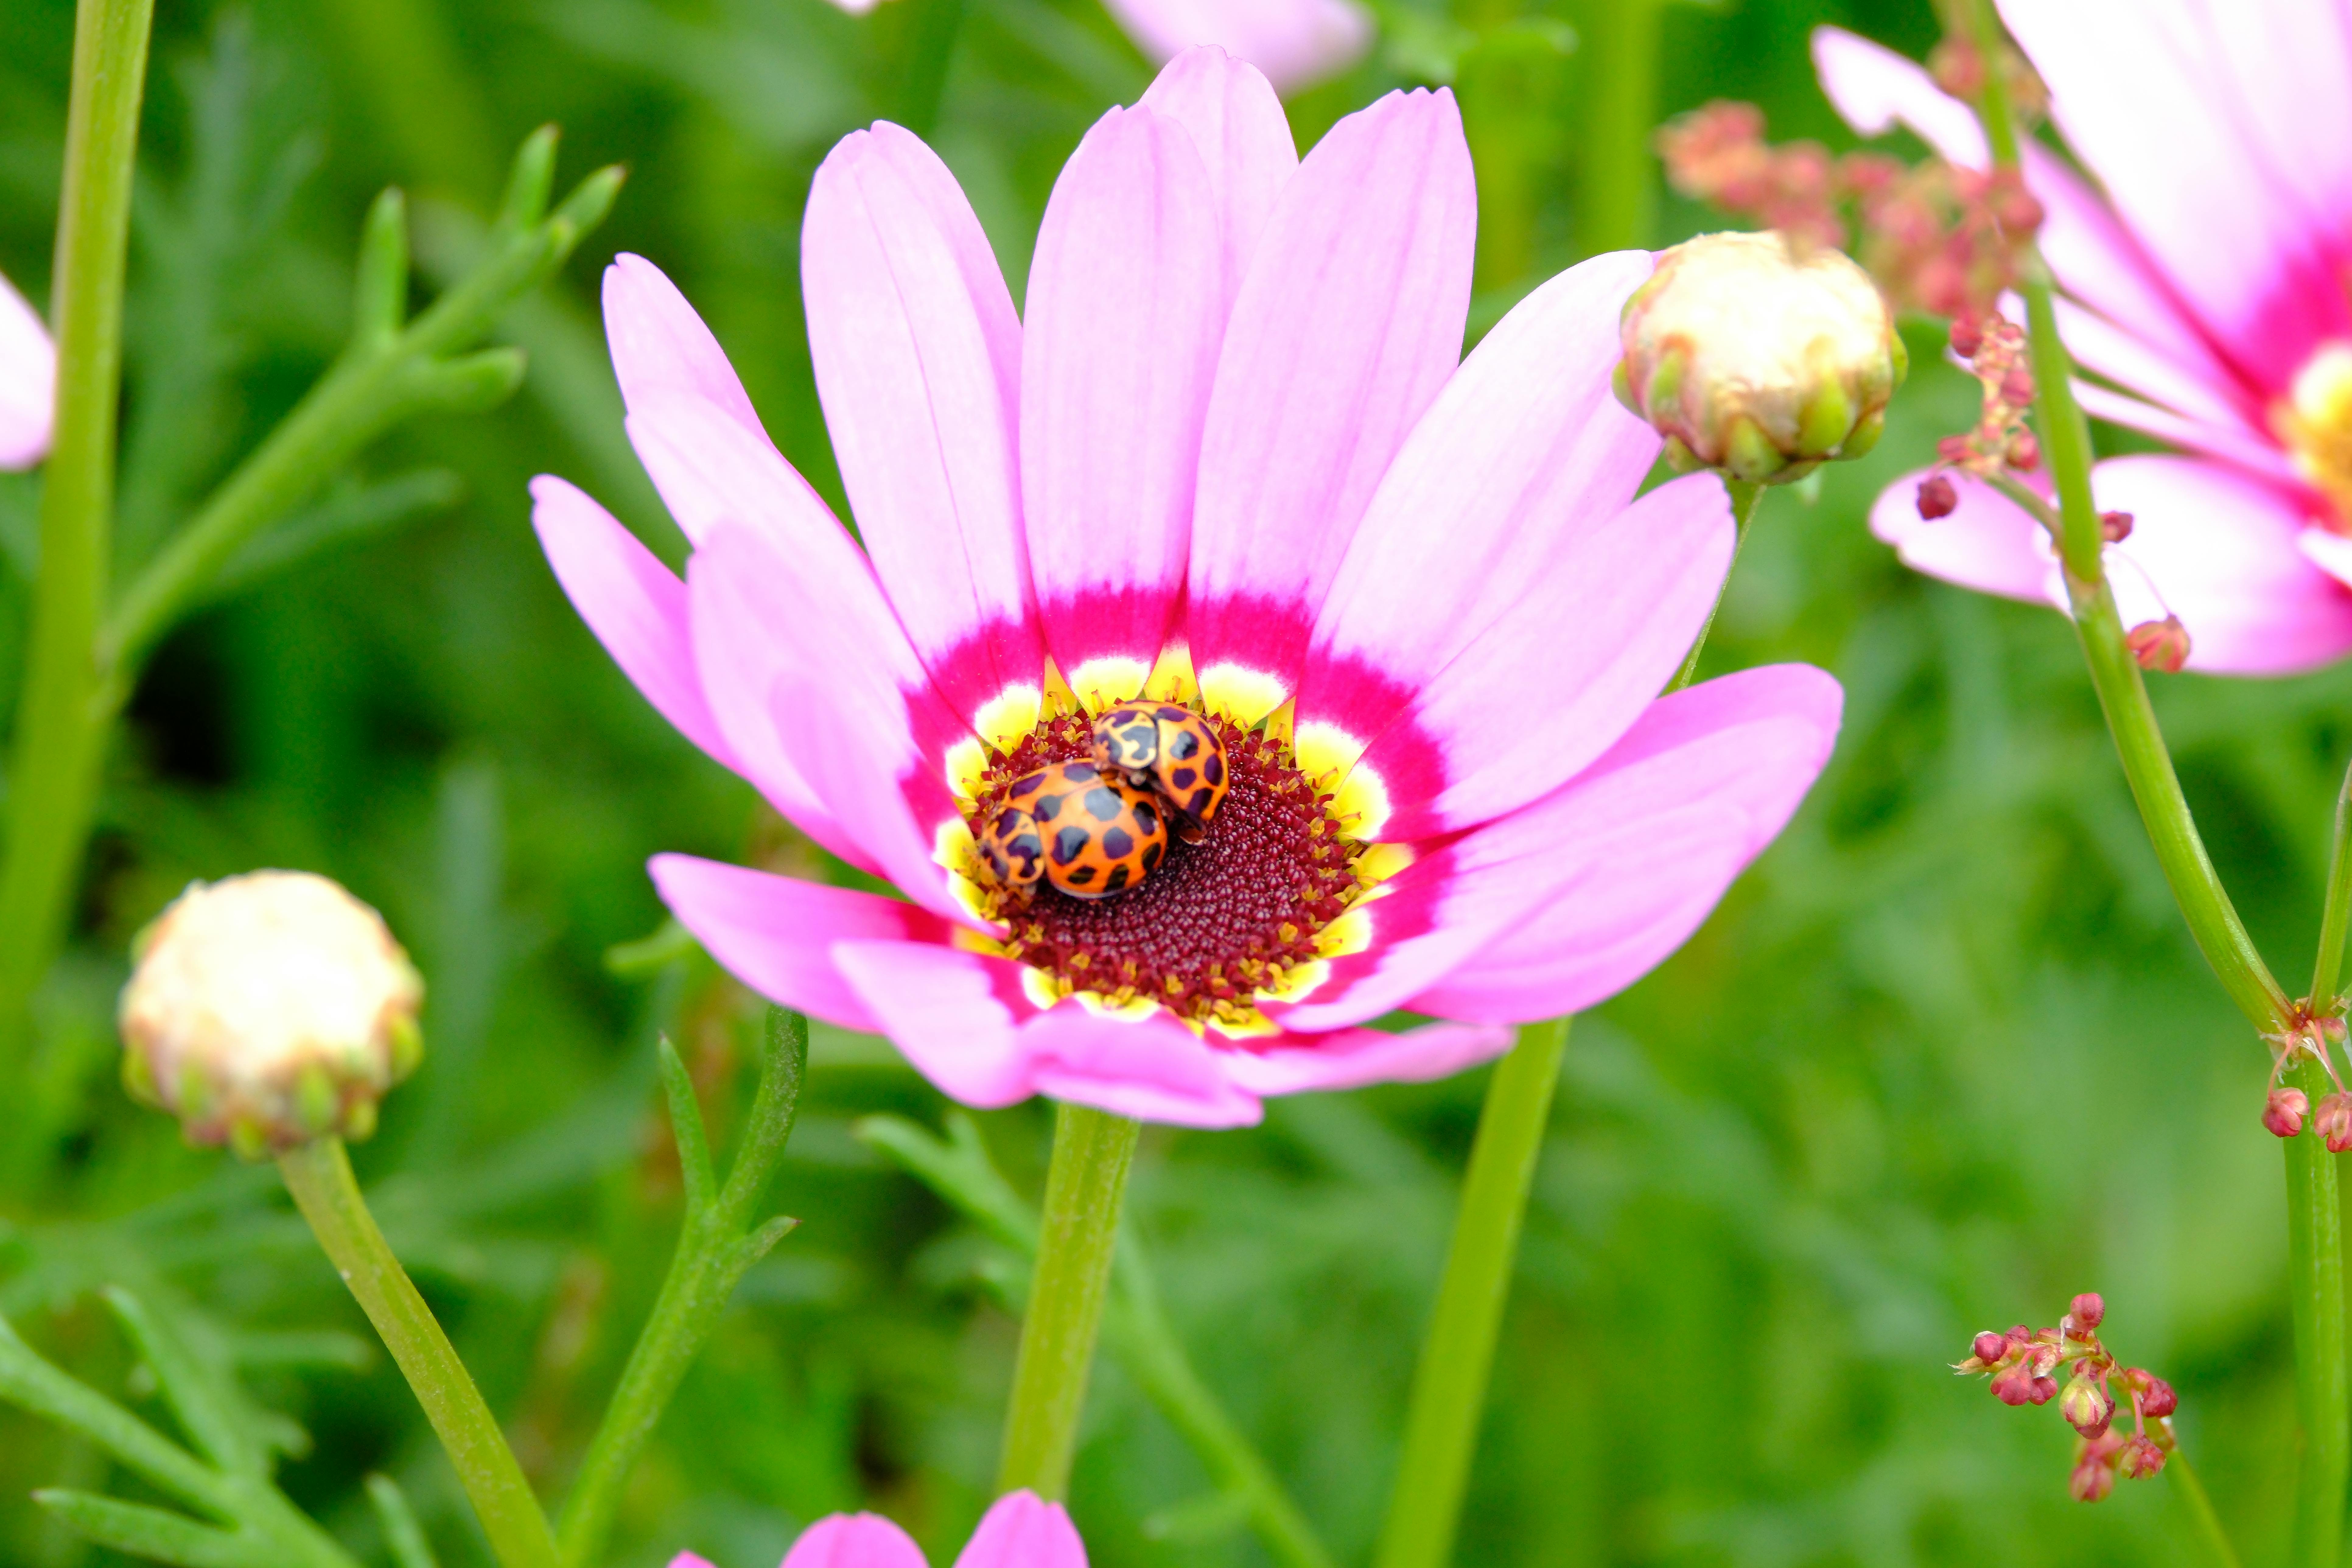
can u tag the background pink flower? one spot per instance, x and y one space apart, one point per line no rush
2207 285
1229 450
28 374
1018 1531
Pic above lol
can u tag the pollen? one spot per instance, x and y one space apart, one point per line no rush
1219 922
2316 423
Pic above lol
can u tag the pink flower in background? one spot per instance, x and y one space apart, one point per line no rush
1296 43
28 374
2207 284
1019 1531
1230 454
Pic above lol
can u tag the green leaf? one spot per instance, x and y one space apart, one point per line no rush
686 1126
153 1533
204 1410
956 1168
404 1538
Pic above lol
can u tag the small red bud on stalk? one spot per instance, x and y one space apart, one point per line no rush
2115 527
1938 498
2140 1458
2156 1399
1991 1347
2085 1311
2161 646
2086 1405
2022 1362
2092 1481
2333 1121
2283 1112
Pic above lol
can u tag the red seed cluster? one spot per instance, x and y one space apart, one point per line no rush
1219 919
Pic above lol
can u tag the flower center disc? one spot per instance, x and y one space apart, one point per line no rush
2315 422
1219 922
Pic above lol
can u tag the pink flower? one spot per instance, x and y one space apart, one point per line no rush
2208 283
1229 451
1296 43
28 374
1019 1531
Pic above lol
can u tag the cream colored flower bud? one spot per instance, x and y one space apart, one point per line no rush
269 1010
1757 360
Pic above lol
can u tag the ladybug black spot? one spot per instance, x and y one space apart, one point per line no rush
1047 807
1118 843
1214 769
1152 855
1183 778
1104 805
1118 880
1185 745
1022 786
1082 875
1080 773
1068 845
1147 818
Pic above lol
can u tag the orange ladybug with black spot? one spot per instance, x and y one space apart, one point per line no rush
1076 827
1171 751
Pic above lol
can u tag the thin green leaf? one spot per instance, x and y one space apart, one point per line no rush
204 1410
402 1536
153 1533
686 1126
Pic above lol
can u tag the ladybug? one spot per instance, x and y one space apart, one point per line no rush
1169 752
1076 827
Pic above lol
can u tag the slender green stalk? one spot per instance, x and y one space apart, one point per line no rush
1743 500
2200 1509
1449 1387
2315 1213
1621 77
62 719
718 1244
2337 911
319 1176
1084 1186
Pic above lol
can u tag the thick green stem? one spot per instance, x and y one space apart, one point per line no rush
319 1176
1449 1388
62 719
718 1244
1092 1152
1621 77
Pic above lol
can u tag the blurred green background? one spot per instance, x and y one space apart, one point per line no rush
1943 1058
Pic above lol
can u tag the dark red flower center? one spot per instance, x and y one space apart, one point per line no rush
1218 921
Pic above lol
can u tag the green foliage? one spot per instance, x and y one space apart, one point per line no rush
1945 1058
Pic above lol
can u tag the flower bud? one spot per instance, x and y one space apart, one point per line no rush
2086 1310
2283 1112
2085 1407
2021 1386
2092 1480
2156 1399
2333 1121
2115 527
2140 1458
1938 498
268 1010
1991 1347
1759 361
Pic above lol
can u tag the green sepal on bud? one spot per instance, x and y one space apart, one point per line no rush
1759 361
267 1011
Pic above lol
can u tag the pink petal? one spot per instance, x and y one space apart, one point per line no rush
1152 1069
917 359
631 601
1021 1531
1876 90
956 1016
1523 444
853 1540
660 346
817 692
1351 1058
1126 307
1238 125
2225 551
688 1559
1599 629
1295 42
2231 442
2104 349
774 933
1642 846
28 374
711 470
1988 543
2224 139
1348 326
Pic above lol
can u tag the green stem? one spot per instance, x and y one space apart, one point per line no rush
1620 76
1092 1152
2315 1276
2338 911
1745 498
718 1244
62 721
1449 1387
319 1176
2200 1509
